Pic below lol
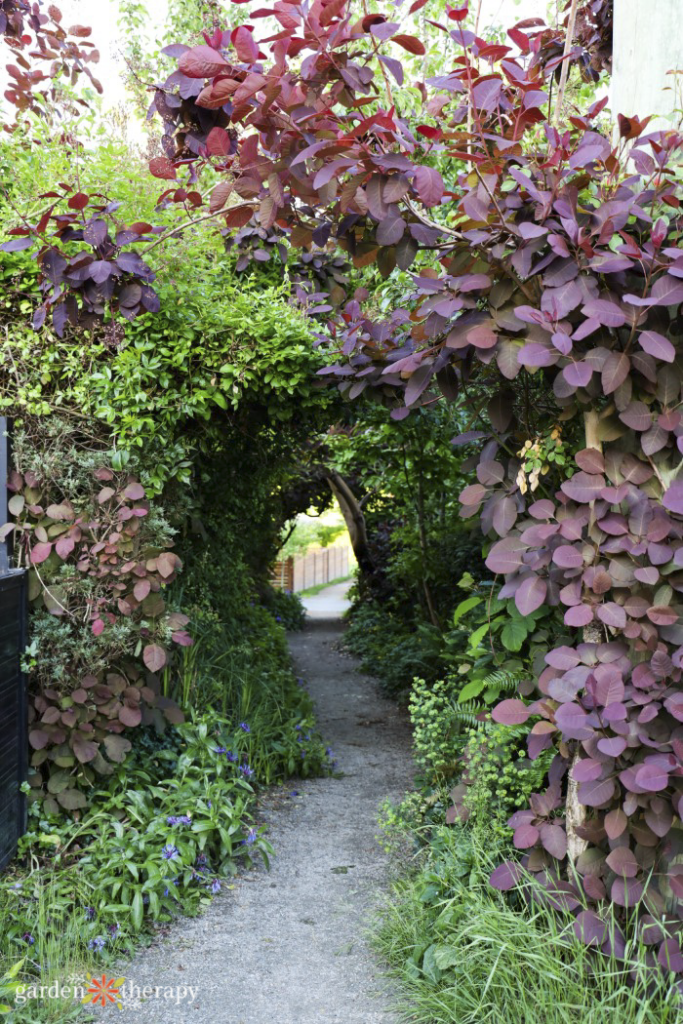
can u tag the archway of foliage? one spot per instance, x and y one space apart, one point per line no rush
153 477
539 283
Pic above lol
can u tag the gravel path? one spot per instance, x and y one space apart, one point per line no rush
288 947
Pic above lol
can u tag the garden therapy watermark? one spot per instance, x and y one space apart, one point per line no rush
103 991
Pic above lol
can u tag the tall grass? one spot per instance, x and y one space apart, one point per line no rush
466 956
245 676
53 956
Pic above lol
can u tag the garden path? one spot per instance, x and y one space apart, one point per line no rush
288 947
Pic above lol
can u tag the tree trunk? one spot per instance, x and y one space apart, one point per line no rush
575 810
422 531
564 71
354 519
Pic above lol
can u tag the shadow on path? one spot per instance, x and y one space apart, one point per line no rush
287 947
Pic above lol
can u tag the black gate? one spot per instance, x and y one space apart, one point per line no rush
13 727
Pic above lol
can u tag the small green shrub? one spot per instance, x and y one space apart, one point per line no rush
390 651
286 608
499 776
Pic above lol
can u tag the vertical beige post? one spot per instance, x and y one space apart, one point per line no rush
648 43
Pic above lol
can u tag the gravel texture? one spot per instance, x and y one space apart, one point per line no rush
287 946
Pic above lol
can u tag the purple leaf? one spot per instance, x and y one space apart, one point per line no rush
506 876
606 313
577 374
579 615
506 555
562 658
95 232
567 557
626 892
657 346
571 719
510 712
669 954
487 94
429 185
584 487
531 595
673 497
395 67
597 793
612 614
418 382
613 747
391 229
590 929
615 371
525 836
652 778
17 244
554 840
536 354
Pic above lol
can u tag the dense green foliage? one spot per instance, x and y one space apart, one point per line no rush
408 479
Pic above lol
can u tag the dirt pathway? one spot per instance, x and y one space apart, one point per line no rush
288 947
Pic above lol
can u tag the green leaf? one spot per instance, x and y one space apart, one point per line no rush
465 606
478 635
429 965
514 634
446 956
137 911
472 689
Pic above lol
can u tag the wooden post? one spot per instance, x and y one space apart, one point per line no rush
575 811
648 43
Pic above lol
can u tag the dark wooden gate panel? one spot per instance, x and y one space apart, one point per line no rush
13 726
13 709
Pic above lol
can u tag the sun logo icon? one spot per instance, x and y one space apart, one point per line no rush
103 991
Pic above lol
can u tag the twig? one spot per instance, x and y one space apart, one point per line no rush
569 38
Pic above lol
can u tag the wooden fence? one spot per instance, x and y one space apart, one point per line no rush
320 566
